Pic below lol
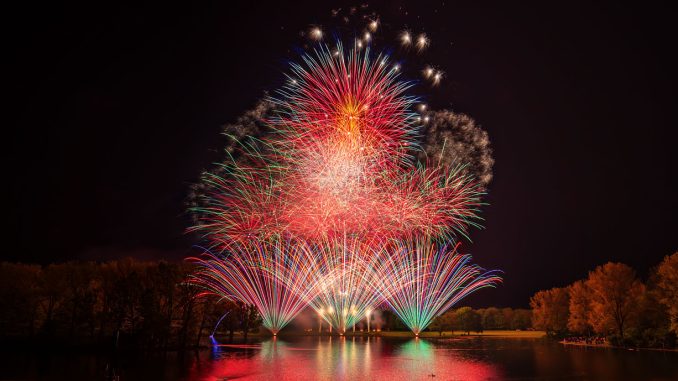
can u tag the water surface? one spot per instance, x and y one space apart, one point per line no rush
316 358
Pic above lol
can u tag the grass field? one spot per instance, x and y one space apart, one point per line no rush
498 333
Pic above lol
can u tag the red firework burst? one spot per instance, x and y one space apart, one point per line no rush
338 163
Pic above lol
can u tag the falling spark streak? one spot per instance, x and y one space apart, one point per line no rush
253 273
349 279
214 330
432 279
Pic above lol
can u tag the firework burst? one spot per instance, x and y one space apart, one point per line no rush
339 163
268 275
349 279
331 207
431 279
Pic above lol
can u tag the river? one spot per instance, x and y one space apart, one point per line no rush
390 359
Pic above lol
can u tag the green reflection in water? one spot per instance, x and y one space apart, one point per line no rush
417 349
273 349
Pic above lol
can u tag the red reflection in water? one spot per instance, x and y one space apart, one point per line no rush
341 358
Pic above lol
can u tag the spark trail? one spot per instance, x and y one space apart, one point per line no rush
331 207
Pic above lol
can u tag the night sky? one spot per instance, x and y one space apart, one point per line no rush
115 111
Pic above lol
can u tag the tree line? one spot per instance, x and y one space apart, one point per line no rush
467 319
614 304
149 305
122 302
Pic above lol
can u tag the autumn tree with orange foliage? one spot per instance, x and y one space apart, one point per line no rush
616 298
580 309
550 310
613 303
667 288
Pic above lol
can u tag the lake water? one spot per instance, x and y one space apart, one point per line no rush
315 358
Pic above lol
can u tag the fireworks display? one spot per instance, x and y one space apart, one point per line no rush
264 274
348 282
327 198
431 280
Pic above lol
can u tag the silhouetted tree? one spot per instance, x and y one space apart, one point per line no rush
652 327
146 304
468 320
249 318
19 299
522 319
507 314
493 318
232 320
444 322
52 292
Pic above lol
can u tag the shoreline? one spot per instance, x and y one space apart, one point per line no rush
610 346
406 334
450 334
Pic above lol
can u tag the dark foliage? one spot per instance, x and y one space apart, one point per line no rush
125 303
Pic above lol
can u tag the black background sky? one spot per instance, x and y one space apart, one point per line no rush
116 109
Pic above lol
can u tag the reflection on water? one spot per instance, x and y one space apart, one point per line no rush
346 358
343 358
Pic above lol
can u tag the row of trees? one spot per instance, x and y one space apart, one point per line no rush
612 302
467 319
144 304
149 305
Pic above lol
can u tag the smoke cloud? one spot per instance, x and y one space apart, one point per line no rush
249 126
246 131
452 139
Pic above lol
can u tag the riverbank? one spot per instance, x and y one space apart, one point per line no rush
610 346
409 334
488 333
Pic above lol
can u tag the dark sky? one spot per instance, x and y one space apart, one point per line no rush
116 109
